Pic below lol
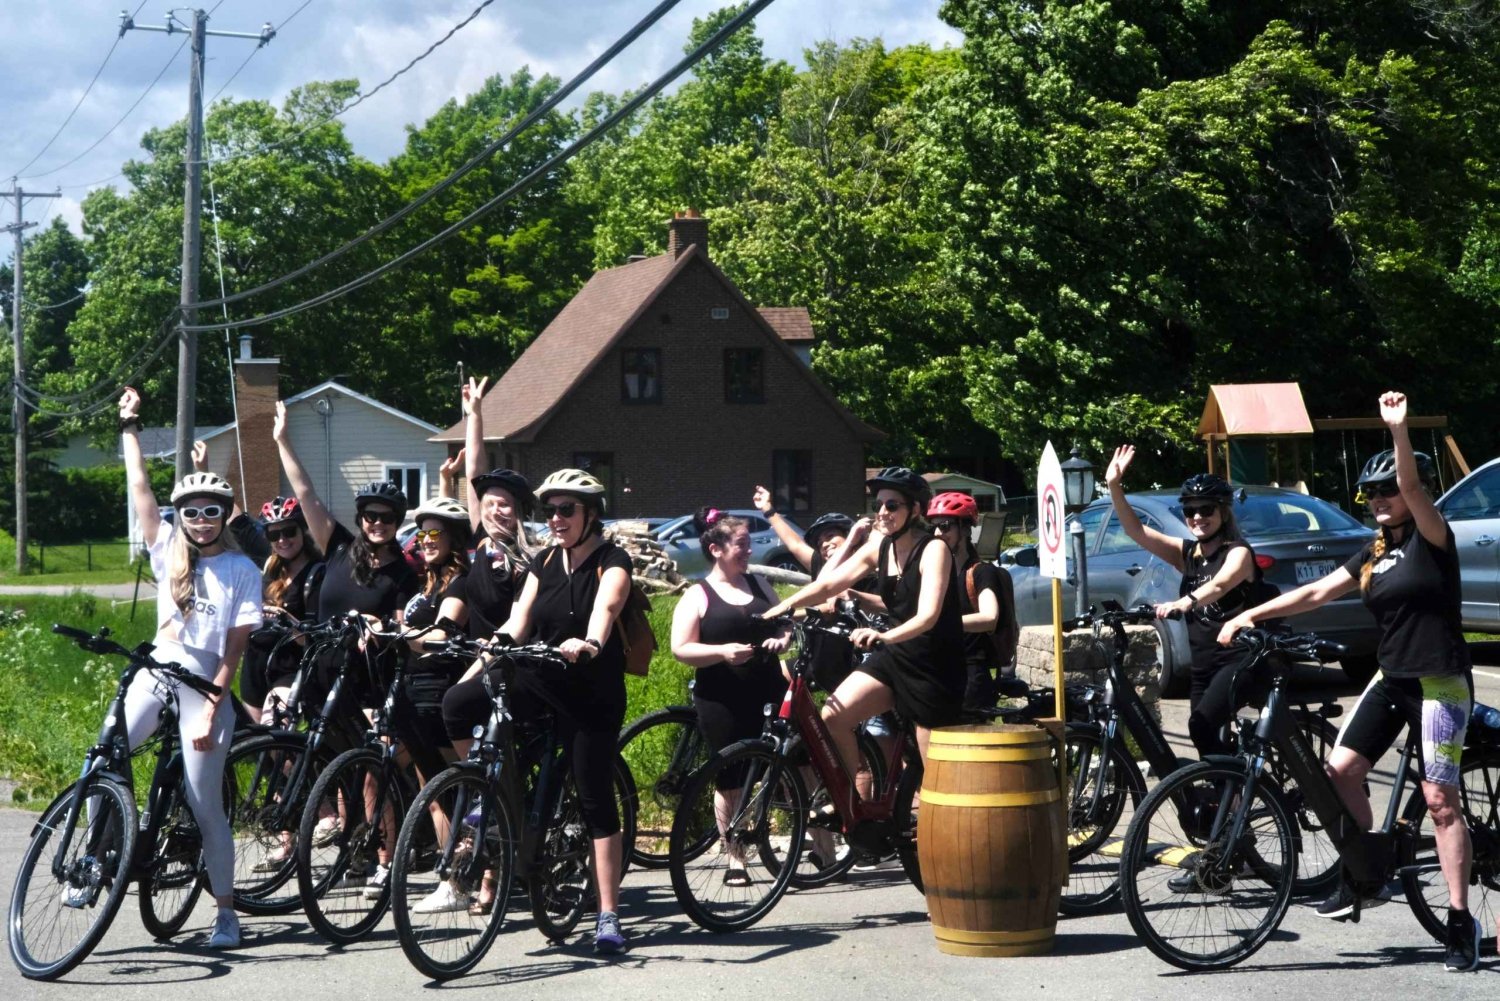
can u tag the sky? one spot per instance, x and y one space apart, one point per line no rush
53 48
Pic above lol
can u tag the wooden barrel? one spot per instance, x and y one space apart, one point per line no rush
992 840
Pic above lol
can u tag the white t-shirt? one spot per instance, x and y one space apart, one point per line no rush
226 593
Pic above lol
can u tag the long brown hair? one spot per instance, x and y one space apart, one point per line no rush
275 579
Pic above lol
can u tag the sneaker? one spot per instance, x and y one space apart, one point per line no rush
273 862
76 897
1463 942
446 899
326 832
226 931
377 883
1185 881
1340 904
355 876
609 940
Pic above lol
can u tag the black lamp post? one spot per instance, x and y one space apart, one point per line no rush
1078 490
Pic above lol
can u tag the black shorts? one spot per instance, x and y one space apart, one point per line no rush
924 697
1438 708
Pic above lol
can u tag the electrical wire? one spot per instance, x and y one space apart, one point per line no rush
55 305
536 115
624 111
105 387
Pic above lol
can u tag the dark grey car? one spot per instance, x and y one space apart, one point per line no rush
1472 508
1297 539
681 543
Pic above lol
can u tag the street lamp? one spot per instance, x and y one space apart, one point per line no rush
1078 490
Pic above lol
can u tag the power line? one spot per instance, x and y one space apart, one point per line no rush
81 99
605 57
279 27
624 111
54 305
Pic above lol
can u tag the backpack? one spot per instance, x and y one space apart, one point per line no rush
1007 631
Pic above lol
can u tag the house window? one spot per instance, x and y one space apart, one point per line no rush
602 466
412 479
744 375
791 480
640 375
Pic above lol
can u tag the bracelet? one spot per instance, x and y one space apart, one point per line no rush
593 643
773 513
130 424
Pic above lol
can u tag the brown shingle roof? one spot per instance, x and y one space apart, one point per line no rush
791 323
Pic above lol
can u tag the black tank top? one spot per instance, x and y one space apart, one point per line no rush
726 623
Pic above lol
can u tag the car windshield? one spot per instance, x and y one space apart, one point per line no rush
1263 516
671 528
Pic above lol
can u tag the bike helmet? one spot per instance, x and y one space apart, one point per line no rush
279 509
513 483
1382 469
953 504
901 479
203 485
575 482
446 509
1205 487
830 523
384 492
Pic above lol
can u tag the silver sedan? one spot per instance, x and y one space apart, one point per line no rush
1472 508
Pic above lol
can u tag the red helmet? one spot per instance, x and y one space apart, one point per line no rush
953 504
280 509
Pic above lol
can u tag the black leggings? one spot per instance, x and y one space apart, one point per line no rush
1212 702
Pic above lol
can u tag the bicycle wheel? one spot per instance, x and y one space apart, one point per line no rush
1318 862
358 804
267 788
61 907
1196 900
1422 879
441 933
662 749
904 820
172 879
752 832
560 883
826 855
1103 794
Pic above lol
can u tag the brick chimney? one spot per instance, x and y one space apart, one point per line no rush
685 229
256 393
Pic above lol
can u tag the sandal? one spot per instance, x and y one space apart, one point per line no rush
736 876
482 909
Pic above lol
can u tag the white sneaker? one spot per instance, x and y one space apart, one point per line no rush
326 832
354 877
226 931
446 899
75 896
376 884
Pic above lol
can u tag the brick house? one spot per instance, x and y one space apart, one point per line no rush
666 383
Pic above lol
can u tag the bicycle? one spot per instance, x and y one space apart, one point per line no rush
93 842
512 814
1225 821
731 862
1105 781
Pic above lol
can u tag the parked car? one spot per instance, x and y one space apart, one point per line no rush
1472 507
1297 539
681 543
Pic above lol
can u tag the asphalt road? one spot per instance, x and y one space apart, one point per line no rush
867 938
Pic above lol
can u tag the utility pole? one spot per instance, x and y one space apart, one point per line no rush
18 407
192 212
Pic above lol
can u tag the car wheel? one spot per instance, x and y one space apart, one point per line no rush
1174 670
1360 669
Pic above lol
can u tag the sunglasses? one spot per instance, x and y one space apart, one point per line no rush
378 517
427 534
564 510
1199 512
206 511
277 534
1380 490
890 504
944 526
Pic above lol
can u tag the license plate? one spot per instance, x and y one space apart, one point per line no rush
1311 570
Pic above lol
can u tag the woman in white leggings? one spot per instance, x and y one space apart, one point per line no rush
208 601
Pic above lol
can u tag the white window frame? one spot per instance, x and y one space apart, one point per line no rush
421 467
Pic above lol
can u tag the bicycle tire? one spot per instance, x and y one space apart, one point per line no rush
1165 841
1422 882
904 821
332 895
822 863
449 944
256 774
110 823
172 879
1099 790
662 749
765 821
560 884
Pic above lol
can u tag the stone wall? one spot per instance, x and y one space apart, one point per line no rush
1083 661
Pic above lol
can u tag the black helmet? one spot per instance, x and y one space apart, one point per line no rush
385 492
831 522
509 480
1382 469
1205 486
904 480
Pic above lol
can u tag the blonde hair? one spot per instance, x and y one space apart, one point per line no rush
182 559
1377 550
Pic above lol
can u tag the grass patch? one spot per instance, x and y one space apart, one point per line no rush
105 562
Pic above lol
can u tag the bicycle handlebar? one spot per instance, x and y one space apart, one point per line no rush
1305 645
1112 616
141 657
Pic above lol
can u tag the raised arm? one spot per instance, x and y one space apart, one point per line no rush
137 480
319 521
800 550
830 584
448 473
1164 547
473 450
1424 512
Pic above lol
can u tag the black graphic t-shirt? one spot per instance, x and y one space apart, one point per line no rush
1205 621
1414 593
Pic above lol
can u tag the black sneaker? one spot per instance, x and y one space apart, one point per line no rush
1463 942
1184 882
1340 905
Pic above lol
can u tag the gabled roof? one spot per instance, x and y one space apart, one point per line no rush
1255 408
580 337
791 323
323 387
161 442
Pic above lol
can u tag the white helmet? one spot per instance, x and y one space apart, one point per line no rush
203 485
575 482
446 508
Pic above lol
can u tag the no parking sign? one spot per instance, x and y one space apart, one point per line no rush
1050 516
